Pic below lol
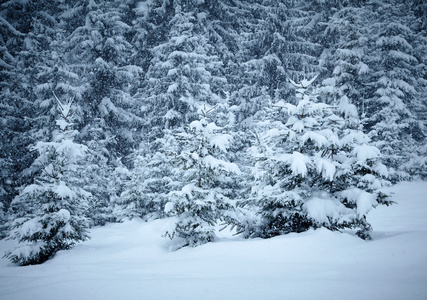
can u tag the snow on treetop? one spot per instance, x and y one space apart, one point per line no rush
272 134
291 109
381 169
64 109
363 68
329 81
188 190
308 107
28 250
394 40
203 126
303 83
356 137
172 114
172 88
331 136
169 207
63 124
334 119
72 149
179 39
373 182
32 188
299 125
143 8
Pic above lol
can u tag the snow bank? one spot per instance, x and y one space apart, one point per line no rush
132 261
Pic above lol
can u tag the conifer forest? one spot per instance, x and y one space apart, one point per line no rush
261 116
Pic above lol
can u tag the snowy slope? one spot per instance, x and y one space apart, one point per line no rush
132 261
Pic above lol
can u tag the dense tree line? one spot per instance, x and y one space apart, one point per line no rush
184 109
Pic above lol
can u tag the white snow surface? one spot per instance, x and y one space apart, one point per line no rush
132 261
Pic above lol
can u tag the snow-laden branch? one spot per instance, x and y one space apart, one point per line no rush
304 84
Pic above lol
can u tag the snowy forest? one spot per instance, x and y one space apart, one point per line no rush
259 116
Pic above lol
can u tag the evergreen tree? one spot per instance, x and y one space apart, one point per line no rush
291 42
151 29
48 216
151 180
104 181
391 107
346 60
100 52
184 72
314 170
417 164
137 68
205 176
27 31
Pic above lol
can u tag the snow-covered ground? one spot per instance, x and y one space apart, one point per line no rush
132 261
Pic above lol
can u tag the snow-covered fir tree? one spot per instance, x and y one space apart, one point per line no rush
184 72
100 52
151 180
314 169
205 175
105 181
346 62
48 215
28 34
395 94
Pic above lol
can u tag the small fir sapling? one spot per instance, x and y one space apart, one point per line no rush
152 178
205 174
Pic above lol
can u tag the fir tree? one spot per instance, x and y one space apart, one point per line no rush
393 100
314 170
49 214
205 175
184 72
27 32
151 180
100 52
346 61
